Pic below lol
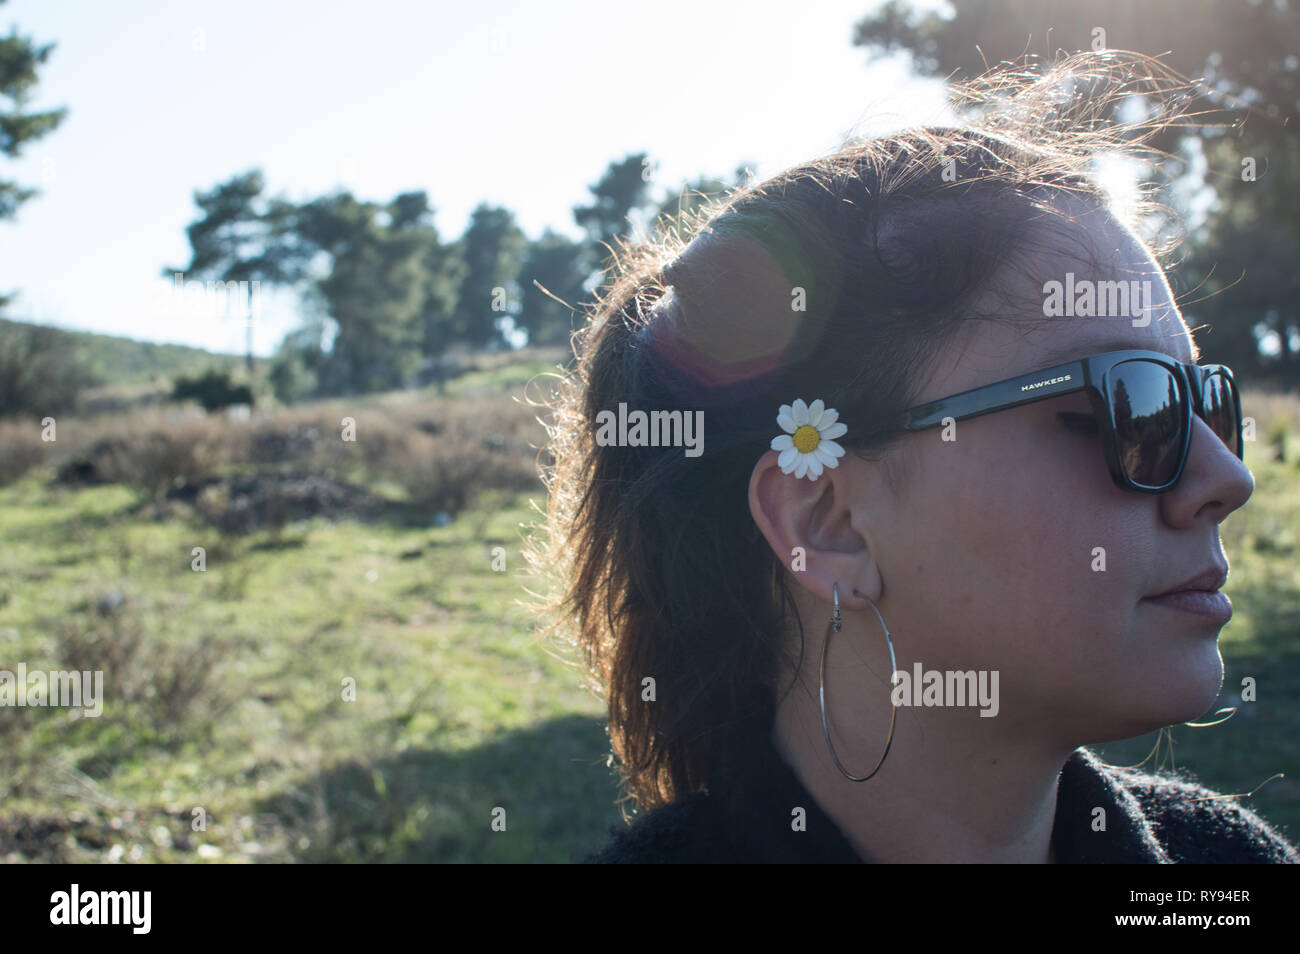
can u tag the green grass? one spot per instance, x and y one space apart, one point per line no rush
458 711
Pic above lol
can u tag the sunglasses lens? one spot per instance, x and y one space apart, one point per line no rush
1221 410
1149 414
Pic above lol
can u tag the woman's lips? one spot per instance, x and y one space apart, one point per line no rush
1210 605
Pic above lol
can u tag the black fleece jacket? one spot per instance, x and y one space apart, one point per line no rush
744 815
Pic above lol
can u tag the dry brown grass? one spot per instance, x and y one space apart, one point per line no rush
21 449
443 455
440 454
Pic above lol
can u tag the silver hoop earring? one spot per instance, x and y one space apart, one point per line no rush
836 625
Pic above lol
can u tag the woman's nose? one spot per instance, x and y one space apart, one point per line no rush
1215 481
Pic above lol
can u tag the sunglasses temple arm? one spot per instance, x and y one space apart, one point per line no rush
1025 389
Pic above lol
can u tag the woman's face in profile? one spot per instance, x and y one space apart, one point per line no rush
1009 547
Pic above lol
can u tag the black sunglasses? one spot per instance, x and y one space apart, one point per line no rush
1142 403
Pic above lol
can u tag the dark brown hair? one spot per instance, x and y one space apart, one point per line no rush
889 245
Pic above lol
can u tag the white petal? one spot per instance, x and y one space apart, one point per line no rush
788 458
829 417
830 447
814 465
827 459
800 412
786 419
815 412
835 430
781 442
802 467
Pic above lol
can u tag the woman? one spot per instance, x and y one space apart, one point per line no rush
950 418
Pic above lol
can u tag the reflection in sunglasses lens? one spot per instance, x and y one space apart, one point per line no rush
1148 408
1221 410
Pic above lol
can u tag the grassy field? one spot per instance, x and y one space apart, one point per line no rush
227 685
457 711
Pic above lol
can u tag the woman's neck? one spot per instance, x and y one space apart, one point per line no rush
953 788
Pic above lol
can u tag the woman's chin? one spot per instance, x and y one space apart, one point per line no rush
1184 693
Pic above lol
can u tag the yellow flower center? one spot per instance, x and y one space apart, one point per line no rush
806 438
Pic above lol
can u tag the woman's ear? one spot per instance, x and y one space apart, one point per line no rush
814 527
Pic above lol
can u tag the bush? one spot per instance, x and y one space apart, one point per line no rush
160 459
212 390
166 682
472 447
150 452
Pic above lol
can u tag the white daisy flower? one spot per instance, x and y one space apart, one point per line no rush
808 443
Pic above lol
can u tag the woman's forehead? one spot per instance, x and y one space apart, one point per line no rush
992 351
1167 334
1100 290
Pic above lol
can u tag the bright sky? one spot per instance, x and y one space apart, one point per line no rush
517 104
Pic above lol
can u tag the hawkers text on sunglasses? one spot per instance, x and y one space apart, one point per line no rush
1142 402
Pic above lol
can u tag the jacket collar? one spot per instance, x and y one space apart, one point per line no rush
755 792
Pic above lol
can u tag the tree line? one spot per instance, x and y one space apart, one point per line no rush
387 295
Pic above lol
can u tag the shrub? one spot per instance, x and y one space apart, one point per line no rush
212 390
167 681
152 453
